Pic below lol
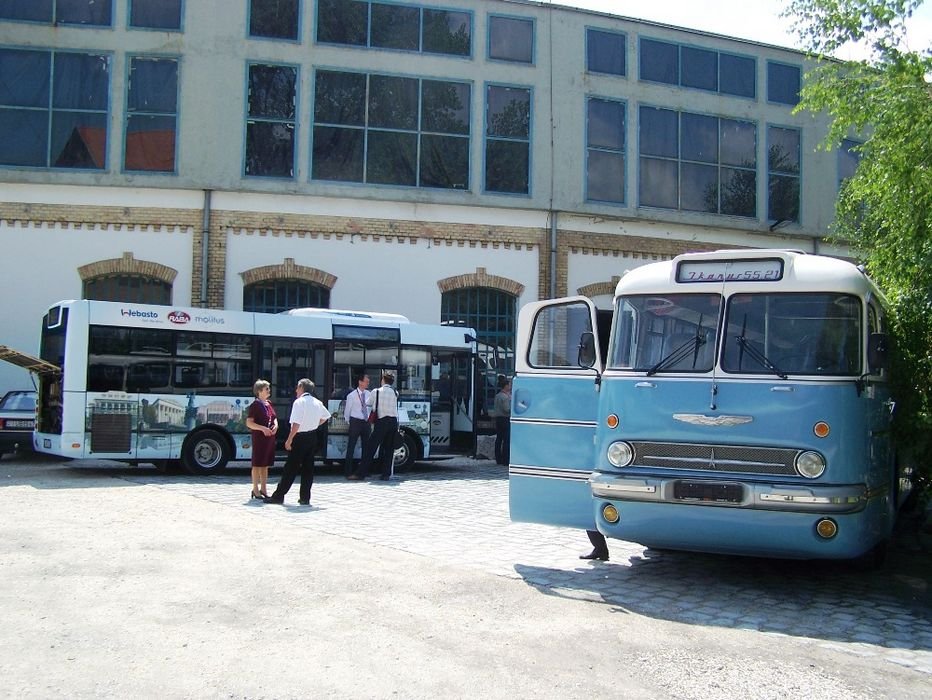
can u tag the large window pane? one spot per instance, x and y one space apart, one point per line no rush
739 192
739 143
659 130
281 295
150 143
699 69
24 137
605 52
269 149
783 150
699 187
338 154
155 14
128 288
393 102
272 91
606 124
658 186
511 39
277 19
508 112
81 81
93 12
699 138
506 166
447 32
391 158
24 78
445 107
783 83
395 27
444 162
605 176
659 61
79 140
737 75
29 10
153 86
343 22
848 159
340 98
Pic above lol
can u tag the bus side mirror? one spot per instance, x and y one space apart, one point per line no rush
586 356
877 352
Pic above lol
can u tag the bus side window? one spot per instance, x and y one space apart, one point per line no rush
189 376
104 377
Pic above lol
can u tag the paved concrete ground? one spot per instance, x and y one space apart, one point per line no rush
119 581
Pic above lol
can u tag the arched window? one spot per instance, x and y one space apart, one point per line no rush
138 289
492 313
274 296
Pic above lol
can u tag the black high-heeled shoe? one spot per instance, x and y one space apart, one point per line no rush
253 495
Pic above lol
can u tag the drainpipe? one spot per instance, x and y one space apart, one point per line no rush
553 254
205 240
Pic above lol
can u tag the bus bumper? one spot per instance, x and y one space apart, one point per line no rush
769 520
60 445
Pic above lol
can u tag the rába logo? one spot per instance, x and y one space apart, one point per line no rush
179 317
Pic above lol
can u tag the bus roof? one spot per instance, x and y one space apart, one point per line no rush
748 270
330 313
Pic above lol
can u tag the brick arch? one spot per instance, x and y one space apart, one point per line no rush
480 278
288 271
599 288
127 265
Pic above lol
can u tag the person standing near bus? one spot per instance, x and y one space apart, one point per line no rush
503 421
263 426
599 546
307 415
384 402
356 413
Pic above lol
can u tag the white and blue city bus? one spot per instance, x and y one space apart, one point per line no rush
167 385
741 406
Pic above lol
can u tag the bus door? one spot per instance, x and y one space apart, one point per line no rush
452 427
553 415
284 362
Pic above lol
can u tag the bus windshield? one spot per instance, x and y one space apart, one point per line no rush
804 333
666 333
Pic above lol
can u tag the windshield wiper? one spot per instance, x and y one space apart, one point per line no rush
761 358
691 346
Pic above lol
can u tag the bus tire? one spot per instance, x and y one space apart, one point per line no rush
205 452
407 454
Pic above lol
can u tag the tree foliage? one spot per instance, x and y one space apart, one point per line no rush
884 212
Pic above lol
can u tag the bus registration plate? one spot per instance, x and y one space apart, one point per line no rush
709 491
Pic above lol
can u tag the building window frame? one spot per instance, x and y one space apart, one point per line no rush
129 112
622 37
512 21
152 28
262 122
777 73
606 150
501 138
109 287
776 175
678 80
55 14
299 15
282 294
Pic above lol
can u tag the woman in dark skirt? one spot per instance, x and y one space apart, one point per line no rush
263 425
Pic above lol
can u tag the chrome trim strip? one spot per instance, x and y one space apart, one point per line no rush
554 421
714 421
550 473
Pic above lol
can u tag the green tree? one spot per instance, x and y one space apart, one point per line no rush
885 210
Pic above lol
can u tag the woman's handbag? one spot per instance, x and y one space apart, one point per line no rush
374 413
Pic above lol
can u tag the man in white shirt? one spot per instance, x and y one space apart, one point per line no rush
384 401
356 413
307 415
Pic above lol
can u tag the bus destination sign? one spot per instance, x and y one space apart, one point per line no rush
760 270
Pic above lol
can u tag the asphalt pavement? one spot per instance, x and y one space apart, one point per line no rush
119 581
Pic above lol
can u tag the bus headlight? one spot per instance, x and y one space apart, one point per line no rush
810 464
620 454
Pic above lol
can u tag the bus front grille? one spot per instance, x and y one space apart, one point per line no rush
715 458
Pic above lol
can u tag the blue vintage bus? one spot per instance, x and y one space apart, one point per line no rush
737 404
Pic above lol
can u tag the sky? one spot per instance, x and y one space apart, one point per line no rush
758 20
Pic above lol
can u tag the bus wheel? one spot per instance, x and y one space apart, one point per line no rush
405 455
205 452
